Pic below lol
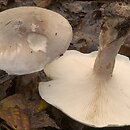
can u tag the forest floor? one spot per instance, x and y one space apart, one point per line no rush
21 107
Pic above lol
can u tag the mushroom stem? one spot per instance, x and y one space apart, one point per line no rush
113 34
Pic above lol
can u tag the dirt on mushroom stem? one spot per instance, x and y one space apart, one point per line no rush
114 31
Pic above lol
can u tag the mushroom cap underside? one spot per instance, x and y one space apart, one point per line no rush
83 96
30 37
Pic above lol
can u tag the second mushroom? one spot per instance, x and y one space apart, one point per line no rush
30 38
92 88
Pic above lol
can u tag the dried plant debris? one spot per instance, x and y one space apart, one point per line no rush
63 121
3 89
22 3
80 6
86 36
41 120
27 85
13 111
17 112
3 2
42 3
125 49
87 32
116 9
85 17
5 84
74 11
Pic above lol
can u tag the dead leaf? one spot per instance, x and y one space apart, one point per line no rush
41 105
12 110
42 3
42 119
27 85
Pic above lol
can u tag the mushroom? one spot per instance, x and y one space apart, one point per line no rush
86 87
31 37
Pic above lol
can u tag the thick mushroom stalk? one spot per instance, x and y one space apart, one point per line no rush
113 34
109 45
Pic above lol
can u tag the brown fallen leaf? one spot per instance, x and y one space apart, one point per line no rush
15 118
13 111
40 106
42 3
42 119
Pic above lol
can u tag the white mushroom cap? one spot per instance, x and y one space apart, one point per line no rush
30 37
83 96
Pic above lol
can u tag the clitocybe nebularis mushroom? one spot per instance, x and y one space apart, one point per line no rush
86 87
30 37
